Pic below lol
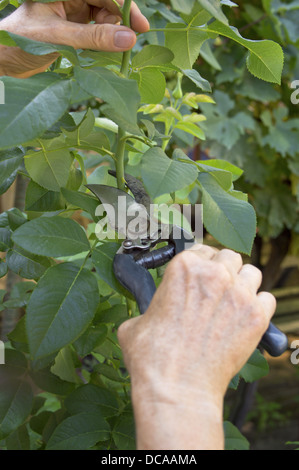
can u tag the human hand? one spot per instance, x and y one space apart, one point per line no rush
67 23
202 325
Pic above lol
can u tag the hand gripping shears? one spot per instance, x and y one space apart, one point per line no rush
139 254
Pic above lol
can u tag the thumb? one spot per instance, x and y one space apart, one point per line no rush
99 37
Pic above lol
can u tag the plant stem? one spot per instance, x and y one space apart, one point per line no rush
121 143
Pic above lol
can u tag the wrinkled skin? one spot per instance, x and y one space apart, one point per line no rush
203 324
66 23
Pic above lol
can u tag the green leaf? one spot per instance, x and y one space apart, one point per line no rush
15 365
115 315
16 218
16 401
184 6
65 365
124 432
234 440
84 128
51 236
185 43
217 164
214 8
152 55
91 397
49 168
36 47
120 93
39 422
18 334
255 368
191 128
3 268
26 101
60 308
49 382
265 60
161 175
81 200
79 432
5 239
103 58
39 199
196 78
10 161
151 84
102 257
26 264
19 439
90 339
231 221
234 383
109 372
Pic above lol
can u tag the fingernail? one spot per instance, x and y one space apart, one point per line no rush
124 39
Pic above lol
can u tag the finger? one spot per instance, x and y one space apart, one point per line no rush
232 261
268 303
101 16
204 251
138 21
104 37
251 277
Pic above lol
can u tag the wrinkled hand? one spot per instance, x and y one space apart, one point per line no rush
202 325
67 23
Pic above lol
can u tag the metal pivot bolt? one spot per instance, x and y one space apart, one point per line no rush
127 244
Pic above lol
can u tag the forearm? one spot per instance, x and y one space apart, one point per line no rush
181 423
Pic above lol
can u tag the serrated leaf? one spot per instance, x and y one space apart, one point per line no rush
60 308
90 339
51 236
162 175
231 221
45 95
265 60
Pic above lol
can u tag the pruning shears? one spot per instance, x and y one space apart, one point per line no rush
139 254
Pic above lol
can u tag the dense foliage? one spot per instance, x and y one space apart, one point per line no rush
199 102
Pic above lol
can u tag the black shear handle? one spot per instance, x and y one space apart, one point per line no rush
137 280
